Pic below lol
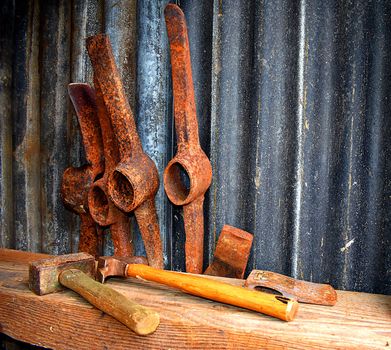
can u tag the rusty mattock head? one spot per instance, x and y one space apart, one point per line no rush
134 182
135 178
44 273
77 181
189 174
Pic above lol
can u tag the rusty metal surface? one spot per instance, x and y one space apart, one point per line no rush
76 182
231 254
302 291
153 111
188 175
7 13
133 183
101 208
292 103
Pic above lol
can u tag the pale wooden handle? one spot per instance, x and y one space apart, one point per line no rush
273 305
139 319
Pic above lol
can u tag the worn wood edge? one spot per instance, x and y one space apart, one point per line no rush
67 321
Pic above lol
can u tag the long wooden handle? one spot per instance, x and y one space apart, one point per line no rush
273 305
139 319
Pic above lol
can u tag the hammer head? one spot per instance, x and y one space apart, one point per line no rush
116 266
43 274
231 254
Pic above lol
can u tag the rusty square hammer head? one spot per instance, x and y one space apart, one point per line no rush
44 274
231 254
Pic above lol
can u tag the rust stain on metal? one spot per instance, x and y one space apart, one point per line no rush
303 291
231 254
102 209
133 184
77 181
189 174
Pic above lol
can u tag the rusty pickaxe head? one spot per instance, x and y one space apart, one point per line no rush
133 184
77 181
135 178
102 209
189 174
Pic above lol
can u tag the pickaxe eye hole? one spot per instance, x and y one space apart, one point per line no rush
100 202
122 188
98 177
178 181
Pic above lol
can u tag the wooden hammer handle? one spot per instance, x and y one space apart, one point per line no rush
273 305
139 319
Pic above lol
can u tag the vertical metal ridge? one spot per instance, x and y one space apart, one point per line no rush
55 114
25 111
299 159
7 15
213 224
154 106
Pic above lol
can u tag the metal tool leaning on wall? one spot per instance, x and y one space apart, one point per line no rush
74 271
133 184
102 209
190 160
77 181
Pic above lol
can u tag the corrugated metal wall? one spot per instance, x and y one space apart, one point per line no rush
294 107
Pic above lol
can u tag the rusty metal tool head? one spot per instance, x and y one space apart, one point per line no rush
77 181
102 209
273 305
303 291
133 183
74 271
189 174
231 254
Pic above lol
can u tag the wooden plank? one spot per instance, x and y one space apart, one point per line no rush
65 321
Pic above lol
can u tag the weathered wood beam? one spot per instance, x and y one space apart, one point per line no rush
65 321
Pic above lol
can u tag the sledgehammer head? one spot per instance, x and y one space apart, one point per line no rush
43 274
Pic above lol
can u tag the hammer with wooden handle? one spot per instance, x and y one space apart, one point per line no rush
273 305
73 271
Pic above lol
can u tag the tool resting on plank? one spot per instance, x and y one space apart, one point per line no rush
73 271
273 305
303 291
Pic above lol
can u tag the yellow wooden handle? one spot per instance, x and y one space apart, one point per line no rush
138 318
269 304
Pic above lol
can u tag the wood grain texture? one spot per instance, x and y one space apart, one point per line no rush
65 321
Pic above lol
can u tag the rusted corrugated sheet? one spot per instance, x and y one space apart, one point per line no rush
153 104
6 203
293 103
